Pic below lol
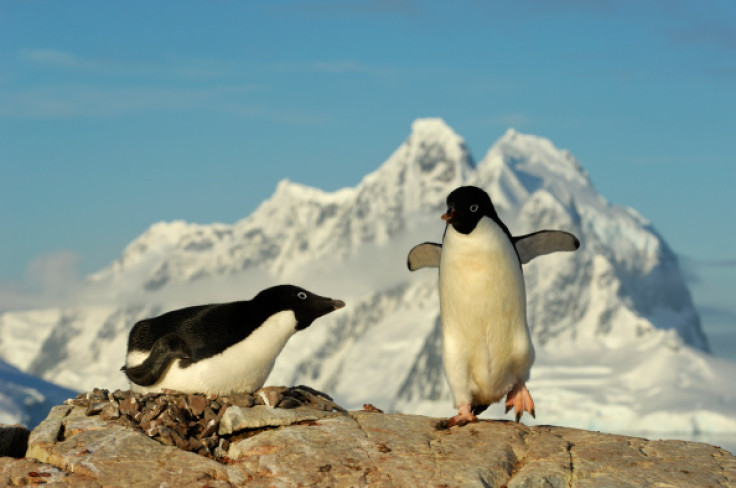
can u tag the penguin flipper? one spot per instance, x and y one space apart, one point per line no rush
425 255
543 242
164 350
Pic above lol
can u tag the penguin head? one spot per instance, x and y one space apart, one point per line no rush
466 205
306 305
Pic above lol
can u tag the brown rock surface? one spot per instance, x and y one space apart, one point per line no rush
179 440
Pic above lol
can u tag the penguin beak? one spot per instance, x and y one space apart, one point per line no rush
316 309
337 304
447 216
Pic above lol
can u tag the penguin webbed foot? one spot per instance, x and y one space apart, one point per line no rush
465 415
520 400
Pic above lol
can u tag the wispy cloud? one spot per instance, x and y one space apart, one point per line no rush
166 86
341 67
53 273
192 68
358 7
87 100
719 313
186 68
90 101
718 263
49 280
689 269
52 57
284 116
693 269
57 60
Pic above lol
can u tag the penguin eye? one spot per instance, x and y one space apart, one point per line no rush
302 295
474 207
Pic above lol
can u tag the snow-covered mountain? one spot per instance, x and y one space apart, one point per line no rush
619 343
26 399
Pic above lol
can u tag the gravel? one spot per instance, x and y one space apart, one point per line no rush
191 421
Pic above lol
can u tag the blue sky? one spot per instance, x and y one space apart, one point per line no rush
115 115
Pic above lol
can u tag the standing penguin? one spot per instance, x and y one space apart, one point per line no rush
486 348
221 348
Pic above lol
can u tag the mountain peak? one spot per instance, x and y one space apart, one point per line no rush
292 190
432 140
519 164
432 126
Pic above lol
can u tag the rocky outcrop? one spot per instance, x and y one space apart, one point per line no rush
299 437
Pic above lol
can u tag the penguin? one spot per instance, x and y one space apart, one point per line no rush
220 348
487 350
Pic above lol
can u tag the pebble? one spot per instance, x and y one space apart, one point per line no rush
191 421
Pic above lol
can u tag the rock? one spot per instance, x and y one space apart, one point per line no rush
110 412
259 416
129 407
29 472
220 442
369 407
269 396
197 404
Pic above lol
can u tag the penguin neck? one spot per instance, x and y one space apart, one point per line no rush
486 230
493 216
263 310
489 235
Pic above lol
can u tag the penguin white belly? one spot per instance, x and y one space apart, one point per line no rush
242 367
485 337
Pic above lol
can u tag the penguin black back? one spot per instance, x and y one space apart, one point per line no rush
197 333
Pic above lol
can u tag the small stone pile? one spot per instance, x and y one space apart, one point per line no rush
192 421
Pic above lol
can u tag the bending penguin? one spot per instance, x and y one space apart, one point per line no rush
486 348
220 348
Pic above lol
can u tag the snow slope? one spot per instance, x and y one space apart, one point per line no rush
618 340
25 399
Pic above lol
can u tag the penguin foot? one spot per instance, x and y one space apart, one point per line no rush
464 416
520 400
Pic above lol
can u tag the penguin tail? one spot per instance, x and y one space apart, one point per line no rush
164 351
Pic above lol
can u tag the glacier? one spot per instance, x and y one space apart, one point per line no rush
619 343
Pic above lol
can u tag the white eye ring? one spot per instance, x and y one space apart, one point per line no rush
474 207
302 295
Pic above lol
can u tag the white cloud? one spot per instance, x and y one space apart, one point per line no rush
51 279
52 273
